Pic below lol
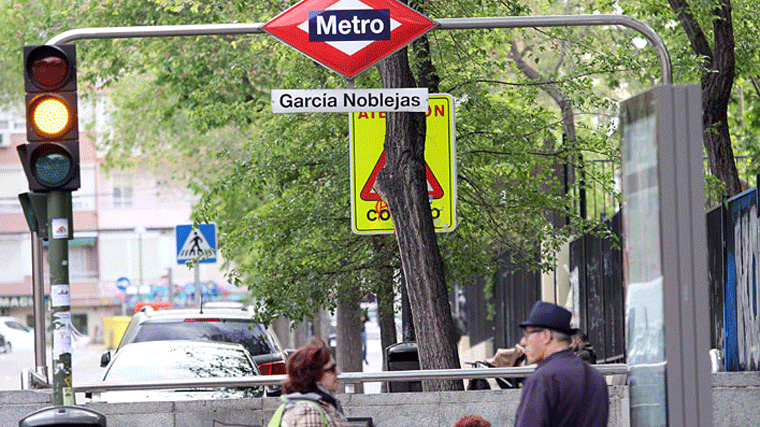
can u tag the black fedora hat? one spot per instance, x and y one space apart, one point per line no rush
547 315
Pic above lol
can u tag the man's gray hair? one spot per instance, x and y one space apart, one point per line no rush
561 336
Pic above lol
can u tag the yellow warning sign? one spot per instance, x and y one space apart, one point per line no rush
369 214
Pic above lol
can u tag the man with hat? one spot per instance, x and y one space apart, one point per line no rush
563 390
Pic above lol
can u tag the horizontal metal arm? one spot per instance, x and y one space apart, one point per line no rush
346 377
443 24
156 31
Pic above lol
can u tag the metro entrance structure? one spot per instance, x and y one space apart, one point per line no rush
662 162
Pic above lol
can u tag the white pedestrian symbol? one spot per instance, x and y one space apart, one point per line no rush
196 245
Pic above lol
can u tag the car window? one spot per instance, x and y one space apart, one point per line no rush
254 338
178 363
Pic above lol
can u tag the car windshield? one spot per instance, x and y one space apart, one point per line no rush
136 363
253 336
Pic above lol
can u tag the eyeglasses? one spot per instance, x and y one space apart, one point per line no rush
529 332
332 368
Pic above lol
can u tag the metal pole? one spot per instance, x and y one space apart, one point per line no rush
38 293
140 231
443 24
197 280
59 208
170 286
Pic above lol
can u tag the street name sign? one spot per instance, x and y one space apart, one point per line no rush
348 36
369 213
348 100
196 243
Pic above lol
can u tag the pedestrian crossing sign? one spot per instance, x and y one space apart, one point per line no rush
196 243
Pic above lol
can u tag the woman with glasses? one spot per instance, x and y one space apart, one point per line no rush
308 391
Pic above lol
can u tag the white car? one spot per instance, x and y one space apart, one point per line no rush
153 361
17 335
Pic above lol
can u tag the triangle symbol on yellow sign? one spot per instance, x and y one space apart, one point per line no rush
434 188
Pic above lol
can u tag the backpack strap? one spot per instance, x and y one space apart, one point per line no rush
278 414
277 417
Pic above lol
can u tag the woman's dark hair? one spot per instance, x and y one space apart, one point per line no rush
304 367
472 421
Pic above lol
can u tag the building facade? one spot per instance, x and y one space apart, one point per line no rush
124 231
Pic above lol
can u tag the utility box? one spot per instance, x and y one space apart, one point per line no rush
403 356
65 416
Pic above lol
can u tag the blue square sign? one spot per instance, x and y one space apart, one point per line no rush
196 242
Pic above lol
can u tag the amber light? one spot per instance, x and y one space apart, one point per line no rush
50 116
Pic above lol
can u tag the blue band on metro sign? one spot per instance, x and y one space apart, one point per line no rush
349 25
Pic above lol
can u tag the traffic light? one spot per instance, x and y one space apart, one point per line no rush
51 158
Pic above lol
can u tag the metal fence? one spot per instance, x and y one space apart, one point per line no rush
597 262
344 377
514 292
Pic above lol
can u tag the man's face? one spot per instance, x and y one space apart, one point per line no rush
330 376
535 341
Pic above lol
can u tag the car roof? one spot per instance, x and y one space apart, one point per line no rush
185 343
207 313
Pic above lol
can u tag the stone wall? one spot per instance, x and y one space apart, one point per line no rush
736 399
386 410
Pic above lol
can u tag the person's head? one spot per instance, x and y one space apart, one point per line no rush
310 365
546 331
578 339
472 421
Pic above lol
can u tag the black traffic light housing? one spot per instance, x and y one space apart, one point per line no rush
51 157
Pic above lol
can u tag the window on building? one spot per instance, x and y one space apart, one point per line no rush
82 263
123 191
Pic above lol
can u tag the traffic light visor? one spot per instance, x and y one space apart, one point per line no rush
50 116
48 67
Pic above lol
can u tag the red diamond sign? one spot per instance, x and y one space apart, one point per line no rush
348 36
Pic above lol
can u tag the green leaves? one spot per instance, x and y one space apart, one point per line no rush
278 185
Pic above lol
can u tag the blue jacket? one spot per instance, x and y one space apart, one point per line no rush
564 391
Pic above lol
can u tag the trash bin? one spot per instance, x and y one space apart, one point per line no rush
113 329
69 416
403 356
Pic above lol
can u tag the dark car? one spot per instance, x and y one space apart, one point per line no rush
221 325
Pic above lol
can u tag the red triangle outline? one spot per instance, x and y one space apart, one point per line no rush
367 194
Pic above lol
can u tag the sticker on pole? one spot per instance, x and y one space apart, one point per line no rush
348 36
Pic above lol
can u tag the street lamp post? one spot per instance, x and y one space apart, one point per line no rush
140 231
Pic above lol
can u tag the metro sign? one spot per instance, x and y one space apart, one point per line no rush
348 36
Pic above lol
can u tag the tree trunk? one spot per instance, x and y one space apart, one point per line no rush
717 82
716 91
386 318
403 186
348 353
